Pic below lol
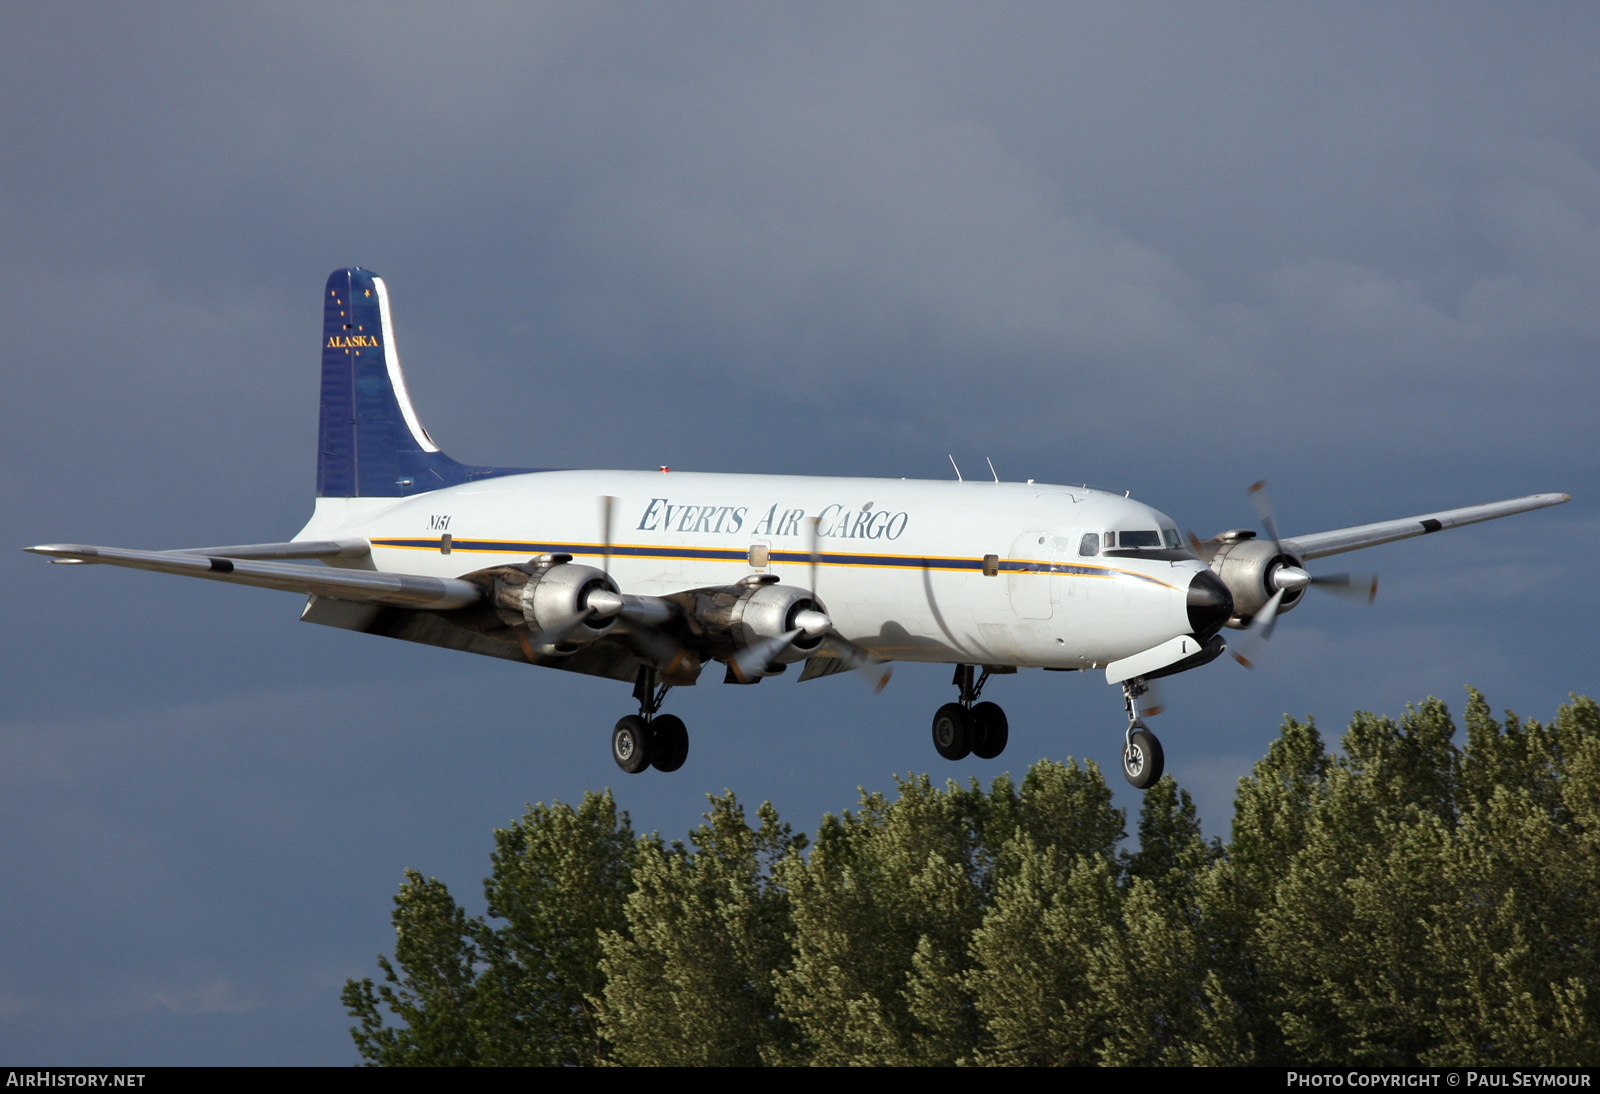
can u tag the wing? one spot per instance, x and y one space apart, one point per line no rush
305 548
364 586
1340 540
454 613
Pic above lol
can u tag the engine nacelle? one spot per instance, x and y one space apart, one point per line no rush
564 605
738 617
1246 566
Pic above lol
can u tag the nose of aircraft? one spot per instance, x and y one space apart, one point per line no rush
1210 604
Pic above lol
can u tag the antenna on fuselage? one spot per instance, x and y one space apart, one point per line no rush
992 471
958 470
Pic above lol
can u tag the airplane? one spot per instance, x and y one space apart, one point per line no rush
649 577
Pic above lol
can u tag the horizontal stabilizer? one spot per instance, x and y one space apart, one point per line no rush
1319 544
366 586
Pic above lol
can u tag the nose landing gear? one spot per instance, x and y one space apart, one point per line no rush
1142 758
962 728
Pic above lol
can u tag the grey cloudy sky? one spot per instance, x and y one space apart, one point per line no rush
1166 248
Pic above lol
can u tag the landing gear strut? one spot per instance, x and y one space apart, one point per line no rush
960 728
1142 759
646 740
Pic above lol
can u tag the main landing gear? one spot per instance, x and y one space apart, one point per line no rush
960 728
1142 759
646 739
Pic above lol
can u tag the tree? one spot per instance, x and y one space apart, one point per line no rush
432 993
883 908
691 980
1032 958
1519 945
1366 870
461 992
1401 902
560 878
1153 980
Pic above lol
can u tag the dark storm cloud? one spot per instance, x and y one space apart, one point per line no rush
731 198
1166 248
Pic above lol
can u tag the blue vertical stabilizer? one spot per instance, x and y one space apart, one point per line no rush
371 443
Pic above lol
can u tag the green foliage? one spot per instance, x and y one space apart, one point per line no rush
1033 957
690 981
1403 902
466 993
882 911
434 991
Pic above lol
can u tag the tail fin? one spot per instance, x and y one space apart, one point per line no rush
371 443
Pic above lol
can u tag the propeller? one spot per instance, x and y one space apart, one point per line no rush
873 669
1286 579
642 625
608 505
598 604
753 660
1292 578
1246 649
814 545
1152 702
1258 494
1362 587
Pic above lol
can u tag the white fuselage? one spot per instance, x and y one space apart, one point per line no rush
902 562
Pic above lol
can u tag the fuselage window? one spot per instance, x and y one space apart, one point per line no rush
1089 545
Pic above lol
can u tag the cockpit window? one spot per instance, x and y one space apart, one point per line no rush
1164 543
1089 544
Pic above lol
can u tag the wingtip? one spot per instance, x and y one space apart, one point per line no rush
61 554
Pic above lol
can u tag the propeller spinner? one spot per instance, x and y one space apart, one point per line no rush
1282 580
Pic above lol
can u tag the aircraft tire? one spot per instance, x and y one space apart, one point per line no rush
990 731
671 742
631 744
1142 759
952 731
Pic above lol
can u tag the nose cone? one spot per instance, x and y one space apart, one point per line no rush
1210 604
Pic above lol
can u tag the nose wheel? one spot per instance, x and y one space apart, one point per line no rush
967 727
1142 758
